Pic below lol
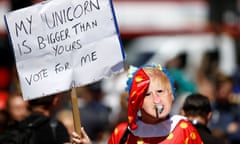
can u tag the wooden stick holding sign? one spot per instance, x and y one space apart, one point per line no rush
76 113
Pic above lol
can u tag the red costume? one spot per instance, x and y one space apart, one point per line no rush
175 130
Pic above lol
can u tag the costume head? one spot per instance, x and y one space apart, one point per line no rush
137 86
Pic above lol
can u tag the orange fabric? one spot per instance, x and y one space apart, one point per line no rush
184 133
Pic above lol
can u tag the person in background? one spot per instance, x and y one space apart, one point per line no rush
47 129
197 109
184 83
225 121
17 108
94 113
53 131
151 95
66 117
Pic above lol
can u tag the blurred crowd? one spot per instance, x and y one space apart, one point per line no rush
103 104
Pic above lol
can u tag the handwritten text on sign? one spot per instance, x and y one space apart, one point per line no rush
64 43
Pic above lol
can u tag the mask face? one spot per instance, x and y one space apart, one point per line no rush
158 99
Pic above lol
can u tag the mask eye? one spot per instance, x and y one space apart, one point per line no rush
160 91
147 94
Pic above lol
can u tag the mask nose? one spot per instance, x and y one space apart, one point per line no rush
156 99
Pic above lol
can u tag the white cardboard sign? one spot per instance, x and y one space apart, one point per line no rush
60 44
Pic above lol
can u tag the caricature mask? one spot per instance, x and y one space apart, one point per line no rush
138 82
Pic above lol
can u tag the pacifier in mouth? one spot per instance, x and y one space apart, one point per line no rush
158 109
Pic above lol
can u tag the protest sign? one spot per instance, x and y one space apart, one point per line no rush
61 44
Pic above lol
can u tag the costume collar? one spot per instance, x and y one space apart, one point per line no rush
157 130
